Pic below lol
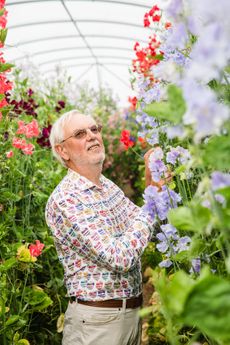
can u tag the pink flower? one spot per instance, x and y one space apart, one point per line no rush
36 249
2 4
9 154
3 103
32 129
28 149
21 127
3 20
19 143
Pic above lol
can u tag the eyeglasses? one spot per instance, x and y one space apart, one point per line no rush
82 133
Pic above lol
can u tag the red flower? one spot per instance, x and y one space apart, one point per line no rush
156 18
168 25
146 20
133 101
36 249
126 139
153 10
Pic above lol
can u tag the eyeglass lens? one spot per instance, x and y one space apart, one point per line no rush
81 133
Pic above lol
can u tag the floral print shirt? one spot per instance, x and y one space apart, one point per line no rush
99 235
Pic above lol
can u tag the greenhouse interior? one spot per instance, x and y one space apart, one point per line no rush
115 172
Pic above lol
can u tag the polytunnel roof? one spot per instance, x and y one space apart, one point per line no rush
92 40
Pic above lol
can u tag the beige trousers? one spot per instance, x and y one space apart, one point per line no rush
85 325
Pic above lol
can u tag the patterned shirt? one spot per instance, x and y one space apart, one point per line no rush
99 235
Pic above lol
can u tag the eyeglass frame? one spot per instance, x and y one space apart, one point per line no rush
84 130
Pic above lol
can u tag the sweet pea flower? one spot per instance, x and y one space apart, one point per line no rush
28 149
36 249
9 154
126 139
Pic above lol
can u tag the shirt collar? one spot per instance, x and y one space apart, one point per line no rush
82 182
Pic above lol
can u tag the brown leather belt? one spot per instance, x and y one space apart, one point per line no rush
131 303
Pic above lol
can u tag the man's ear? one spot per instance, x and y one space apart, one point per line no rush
62 152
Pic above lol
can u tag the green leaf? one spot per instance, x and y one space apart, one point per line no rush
34 297
46 303
3 34
174 292
12 319
6 265
23 342
172 110
208 307
197 247
177 102
5 66
180 257
194 218
161 110
215 153
181 218
38 299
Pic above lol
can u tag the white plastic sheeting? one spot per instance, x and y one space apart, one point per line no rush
91 40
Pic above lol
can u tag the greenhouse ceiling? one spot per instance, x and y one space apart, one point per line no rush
91 40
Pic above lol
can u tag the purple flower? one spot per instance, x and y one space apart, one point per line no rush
169 231
174 8
175 132
171 198
165 263
196 265
178 154
152 94
203 110
153 139
158 169
162 246
183 244
220 180
154 205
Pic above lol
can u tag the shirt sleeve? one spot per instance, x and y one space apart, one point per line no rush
76 226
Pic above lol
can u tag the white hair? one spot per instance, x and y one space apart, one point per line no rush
57 132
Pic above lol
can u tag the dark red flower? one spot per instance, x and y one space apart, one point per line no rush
43 141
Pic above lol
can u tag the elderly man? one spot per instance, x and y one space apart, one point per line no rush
99 235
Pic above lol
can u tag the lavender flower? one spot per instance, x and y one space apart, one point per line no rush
175 132
153 139
196 265
220 180
178 154
165 263
169 231
153 94
171 243
203 110
183 244
154 205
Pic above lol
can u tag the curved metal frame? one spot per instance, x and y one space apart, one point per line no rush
76 21
83 57
74 36
74 48
87 64
110 1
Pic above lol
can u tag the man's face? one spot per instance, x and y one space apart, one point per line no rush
86 151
